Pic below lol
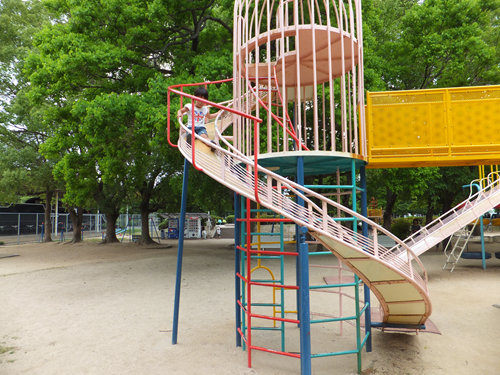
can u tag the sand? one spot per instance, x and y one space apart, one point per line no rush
107 309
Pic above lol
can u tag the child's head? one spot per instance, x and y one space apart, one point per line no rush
200 92
415 221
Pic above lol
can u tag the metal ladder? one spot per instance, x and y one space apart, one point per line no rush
460 245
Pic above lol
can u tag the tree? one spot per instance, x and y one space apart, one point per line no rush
23 171
402 183
437 43
415 45
106 67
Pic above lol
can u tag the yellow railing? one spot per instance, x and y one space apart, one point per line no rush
438 127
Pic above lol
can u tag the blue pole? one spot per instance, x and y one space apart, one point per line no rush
300 201
237 260
180 252
302 271
366 290
305 323
482 242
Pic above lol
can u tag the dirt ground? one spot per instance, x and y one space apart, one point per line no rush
107 309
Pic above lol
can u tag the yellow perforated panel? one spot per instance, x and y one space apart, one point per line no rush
440 127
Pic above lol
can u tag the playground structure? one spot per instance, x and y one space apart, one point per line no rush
284 124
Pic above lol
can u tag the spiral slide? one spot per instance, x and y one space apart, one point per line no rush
401 289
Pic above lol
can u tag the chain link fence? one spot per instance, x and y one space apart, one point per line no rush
20 228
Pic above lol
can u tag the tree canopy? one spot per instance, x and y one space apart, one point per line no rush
83 88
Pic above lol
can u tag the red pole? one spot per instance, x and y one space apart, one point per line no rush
249 278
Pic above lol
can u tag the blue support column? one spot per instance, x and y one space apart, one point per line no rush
303 308
304 317
366 290
237 260
483 254
180 250
300 201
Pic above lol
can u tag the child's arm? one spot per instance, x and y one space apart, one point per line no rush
181 112
213 115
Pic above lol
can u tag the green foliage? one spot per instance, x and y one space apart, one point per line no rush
401 227
163 225
433 43
230 219
106 70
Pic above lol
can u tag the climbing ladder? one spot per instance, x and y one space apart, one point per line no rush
453 255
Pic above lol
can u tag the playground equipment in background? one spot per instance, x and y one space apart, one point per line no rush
283 92
131 229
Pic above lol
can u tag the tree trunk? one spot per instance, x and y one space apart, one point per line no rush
145 235
144 207
391 201
76 220
111 228
47 234
430 211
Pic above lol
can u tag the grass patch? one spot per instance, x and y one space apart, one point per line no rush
5 349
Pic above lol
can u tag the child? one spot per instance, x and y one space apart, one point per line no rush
415 227
201 112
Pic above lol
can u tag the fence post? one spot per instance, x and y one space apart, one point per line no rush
18 228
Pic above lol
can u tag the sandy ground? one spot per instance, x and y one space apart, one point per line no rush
107 309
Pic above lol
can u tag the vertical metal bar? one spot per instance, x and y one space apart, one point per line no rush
366 290
300 201
237 282
282 290
19 228
243 268
358 322
305 323
482 241
180 251
249 276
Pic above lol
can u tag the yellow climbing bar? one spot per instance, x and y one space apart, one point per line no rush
438 127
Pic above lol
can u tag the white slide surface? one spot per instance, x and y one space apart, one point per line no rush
452 221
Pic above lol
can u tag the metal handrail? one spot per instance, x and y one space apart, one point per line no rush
463 207
312 216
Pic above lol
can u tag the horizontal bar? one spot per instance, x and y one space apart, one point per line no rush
266 304
272 252
266 280
334 354
275 351
320 252
265 234
275 286
333 319
266 329
333 285
265 257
